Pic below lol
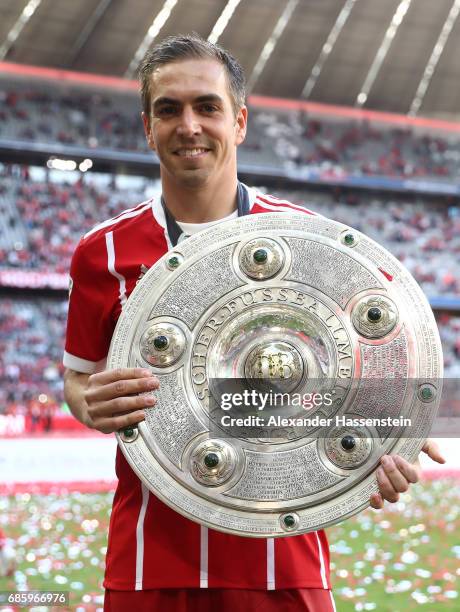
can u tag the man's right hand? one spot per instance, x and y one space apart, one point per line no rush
110 400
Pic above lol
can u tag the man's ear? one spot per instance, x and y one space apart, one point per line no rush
241 125
148 131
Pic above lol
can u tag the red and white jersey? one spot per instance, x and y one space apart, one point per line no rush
150 545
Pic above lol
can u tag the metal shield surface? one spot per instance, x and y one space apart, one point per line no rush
304 304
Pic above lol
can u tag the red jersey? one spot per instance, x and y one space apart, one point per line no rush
150 545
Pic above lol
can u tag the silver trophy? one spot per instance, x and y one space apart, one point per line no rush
326 337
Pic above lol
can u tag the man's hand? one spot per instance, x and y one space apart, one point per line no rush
110 400
395 474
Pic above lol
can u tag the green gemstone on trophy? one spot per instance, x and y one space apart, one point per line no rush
289 520
260 256
211 460
128 432
348 443
349 239
173 262
160 343
426 393
374 314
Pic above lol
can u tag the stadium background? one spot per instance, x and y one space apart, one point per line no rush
354 111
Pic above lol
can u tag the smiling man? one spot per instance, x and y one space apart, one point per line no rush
194 115
194 125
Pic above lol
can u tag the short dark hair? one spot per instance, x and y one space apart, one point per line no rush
191 46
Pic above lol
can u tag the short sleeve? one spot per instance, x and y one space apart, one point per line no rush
92 302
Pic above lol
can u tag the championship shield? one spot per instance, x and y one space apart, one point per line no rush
292 353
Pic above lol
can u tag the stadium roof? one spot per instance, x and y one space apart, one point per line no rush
393 55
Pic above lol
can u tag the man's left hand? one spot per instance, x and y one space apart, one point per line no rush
395 474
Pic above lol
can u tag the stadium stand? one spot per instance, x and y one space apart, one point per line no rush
358 147
424 236
49 217
38 113
44 220
31 346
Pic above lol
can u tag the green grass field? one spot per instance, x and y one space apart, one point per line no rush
404 558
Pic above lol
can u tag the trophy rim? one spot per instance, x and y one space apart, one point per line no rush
219 236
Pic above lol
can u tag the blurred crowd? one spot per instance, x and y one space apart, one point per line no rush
424 236
53 216
359 148
31 347
91 119
71 116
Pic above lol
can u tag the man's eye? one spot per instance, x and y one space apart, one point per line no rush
165 111
208 108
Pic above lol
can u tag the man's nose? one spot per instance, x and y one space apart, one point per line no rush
188 124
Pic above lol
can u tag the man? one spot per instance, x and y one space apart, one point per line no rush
194 119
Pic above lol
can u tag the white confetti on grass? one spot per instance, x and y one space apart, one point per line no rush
409 557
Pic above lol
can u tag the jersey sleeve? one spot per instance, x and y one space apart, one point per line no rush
92 297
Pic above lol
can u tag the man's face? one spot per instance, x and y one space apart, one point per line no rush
192 124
